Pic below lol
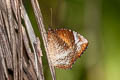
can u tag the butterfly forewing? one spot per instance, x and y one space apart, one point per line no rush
64 47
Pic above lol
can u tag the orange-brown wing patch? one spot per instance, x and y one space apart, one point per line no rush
66 36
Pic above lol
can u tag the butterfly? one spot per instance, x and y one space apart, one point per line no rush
65 46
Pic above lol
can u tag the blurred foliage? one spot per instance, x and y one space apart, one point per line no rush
99 22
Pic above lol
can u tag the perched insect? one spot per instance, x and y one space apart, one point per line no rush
64 47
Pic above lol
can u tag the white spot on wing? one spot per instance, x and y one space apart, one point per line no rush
77 40
75 37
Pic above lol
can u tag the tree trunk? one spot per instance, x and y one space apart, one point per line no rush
17 60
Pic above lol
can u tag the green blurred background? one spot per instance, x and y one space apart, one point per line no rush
99 22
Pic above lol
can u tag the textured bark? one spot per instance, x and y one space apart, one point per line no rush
17 60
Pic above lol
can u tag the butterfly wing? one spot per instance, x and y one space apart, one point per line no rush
64 46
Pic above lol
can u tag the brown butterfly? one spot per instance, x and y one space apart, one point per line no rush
65 46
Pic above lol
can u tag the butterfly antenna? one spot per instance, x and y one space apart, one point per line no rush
50 26
51 16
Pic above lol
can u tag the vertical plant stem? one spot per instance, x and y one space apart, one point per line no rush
38 16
